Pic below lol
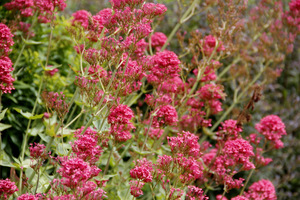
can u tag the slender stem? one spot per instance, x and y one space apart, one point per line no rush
24 44
227 68
74 119
27 132
248 178
183 19
37 181
49 46
149 127
224 192
108 160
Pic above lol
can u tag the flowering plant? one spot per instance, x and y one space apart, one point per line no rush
123 111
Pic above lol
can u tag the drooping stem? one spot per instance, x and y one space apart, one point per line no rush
237 100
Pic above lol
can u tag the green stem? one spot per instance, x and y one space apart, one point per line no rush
37 182
188 13
248 178
108 160
26 134
149 126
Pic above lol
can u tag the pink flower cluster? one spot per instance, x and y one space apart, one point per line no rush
208 45
6 80
185 143
7 188
158 39
6 40
292 17
165 66
39 154
56 102
209 73
273 129
119 120
143 173
261 190
238 151
81 17
165 115
75 172
46 9
229 130
86 146
195 193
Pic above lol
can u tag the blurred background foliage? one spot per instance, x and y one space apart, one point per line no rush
281 98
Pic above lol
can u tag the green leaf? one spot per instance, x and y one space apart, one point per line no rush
2 114
4 126
5 160
31 42
21 85
28 115
36 130
136 150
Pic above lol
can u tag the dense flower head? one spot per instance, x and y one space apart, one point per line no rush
239 197
142 171
75 171
151 10
81 17
28 196
190 168
185 143
172 85
261 190
46 9
195 193
38 151
136 188
86 148
25 6
229 129
120 114
209 43
165 115
7 188
158 39
89 191
239 151
6 40
165 66
6 80
164 163
273 129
